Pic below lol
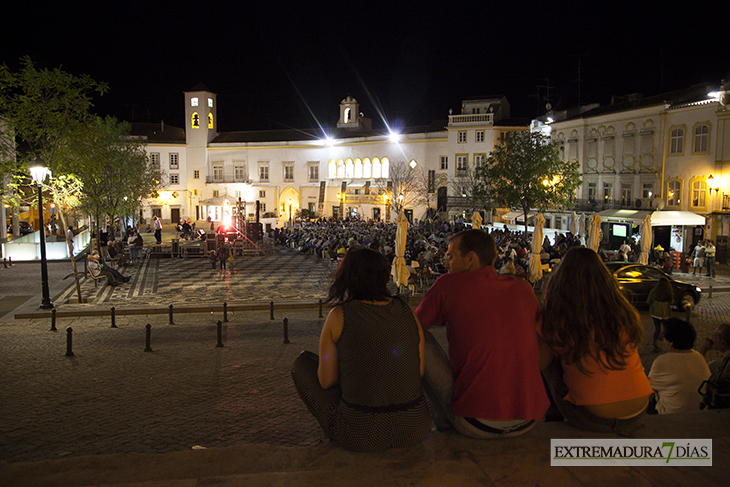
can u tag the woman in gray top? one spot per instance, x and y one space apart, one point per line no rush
364 388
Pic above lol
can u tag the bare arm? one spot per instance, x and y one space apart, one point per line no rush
328 372
421 345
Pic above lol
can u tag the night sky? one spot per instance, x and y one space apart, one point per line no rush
288 64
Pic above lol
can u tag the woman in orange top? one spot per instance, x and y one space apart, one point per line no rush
590 334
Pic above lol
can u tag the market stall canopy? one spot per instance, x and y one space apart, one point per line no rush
658 218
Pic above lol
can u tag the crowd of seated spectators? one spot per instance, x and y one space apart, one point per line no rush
426 243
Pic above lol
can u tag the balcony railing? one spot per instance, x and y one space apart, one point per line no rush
375 199
226 179
484 118
582 204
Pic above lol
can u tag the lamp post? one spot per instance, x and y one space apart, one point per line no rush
39 171
713 185
290 222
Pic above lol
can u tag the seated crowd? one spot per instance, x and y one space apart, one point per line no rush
382 380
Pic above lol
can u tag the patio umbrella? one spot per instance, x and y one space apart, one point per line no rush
535 264
574 224
583 227
594 233
476 220
399 271
645 240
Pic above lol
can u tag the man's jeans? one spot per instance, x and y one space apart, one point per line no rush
438 386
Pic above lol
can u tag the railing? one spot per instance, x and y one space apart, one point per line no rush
375 199
472 118
582 204
225 179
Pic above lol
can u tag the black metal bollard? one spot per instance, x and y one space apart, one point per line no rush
69 342
171 320
114 317
148 338
709 296
10 261
5 263
271 305
53 320
286 331
220 334
225 312
320 309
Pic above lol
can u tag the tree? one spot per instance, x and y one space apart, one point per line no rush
42 109
526 171
113 167
406 185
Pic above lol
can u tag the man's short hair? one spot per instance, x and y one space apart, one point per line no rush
479 242
679 333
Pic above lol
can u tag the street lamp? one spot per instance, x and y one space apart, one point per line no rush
713 185
289 212
39 171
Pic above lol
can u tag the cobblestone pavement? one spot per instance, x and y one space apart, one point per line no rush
112 397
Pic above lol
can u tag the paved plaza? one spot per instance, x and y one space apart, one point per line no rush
112 397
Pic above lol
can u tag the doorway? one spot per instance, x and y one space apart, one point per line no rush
174 215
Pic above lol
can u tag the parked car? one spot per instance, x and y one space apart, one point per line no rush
637 280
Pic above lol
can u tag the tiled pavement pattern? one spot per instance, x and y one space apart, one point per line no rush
112 397
284 277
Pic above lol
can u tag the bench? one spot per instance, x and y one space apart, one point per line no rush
96 278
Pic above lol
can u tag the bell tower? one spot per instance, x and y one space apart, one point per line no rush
201 116
350 116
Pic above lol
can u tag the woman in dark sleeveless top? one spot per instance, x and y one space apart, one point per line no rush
364 388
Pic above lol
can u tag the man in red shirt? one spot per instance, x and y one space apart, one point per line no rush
490 384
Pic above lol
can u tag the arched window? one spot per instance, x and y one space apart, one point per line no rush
358 169
674 193
348 115
699 194
340 169
367 169
332 169
349 169
195 120
210 121
376 167
385 167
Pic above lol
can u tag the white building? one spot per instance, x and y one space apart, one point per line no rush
349 171
673 148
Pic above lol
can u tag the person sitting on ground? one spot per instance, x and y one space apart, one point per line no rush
489 385
677 374
113 276
720 342
212 258
660 307
364 388
590 336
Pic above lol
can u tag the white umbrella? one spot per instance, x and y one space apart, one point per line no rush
645 240
583 227
476 220
594 233
574 224
399 270
535 264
